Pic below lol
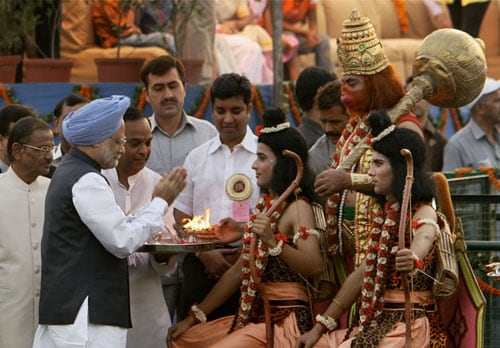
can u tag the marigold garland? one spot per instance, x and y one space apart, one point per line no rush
487 287
291 103
7 94
139 98
258 102
380 243
402 16
491 176
459 172
197 109
248 285
86 91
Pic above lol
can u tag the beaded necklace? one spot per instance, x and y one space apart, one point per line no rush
355 131
248 285
380 242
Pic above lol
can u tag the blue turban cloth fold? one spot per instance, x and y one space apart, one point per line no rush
95 121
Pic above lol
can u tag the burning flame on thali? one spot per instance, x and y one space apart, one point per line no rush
198 222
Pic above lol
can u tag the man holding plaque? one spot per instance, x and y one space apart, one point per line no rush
220 177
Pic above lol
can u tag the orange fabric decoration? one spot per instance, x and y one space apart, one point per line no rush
444 118
257 101
292 104
403 18
142 100
4 95
454 118
456 121
199 113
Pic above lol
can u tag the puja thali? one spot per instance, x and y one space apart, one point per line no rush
172 248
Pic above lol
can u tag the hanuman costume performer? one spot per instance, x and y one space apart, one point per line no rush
378 282
369 83
286 253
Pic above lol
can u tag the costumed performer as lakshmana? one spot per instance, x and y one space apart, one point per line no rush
377 282
287 252
369 83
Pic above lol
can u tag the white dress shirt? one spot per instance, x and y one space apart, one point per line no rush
209 166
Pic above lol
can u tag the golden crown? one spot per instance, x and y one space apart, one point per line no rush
360 51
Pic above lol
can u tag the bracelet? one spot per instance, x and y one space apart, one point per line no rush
198 314
280 240
360 181
339 304
328 322
418 263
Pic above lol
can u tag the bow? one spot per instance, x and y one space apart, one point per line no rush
402 229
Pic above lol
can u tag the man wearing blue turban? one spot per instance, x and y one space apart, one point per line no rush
84 297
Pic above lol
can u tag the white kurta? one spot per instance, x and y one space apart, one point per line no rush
22 209
149 313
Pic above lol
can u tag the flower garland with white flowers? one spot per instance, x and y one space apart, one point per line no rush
248 285
354 132
380 242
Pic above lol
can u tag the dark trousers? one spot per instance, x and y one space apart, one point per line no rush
468 18
195 287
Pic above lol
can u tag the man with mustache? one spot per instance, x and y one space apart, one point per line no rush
369 83
333 117
175 133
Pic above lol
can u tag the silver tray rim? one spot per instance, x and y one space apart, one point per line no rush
176 248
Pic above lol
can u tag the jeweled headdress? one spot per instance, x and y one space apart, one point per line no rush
360 51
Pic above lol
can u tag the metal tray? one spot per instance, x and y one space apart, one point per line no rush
176 248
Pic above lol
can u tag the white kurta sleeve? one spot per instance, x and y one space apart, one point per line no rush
120 235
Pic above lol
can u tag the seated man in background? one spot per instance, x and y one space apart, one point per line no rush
310 40
114 24
240 43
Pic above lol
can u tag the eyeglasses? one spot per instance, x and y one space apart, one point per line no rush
43 149
120 141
